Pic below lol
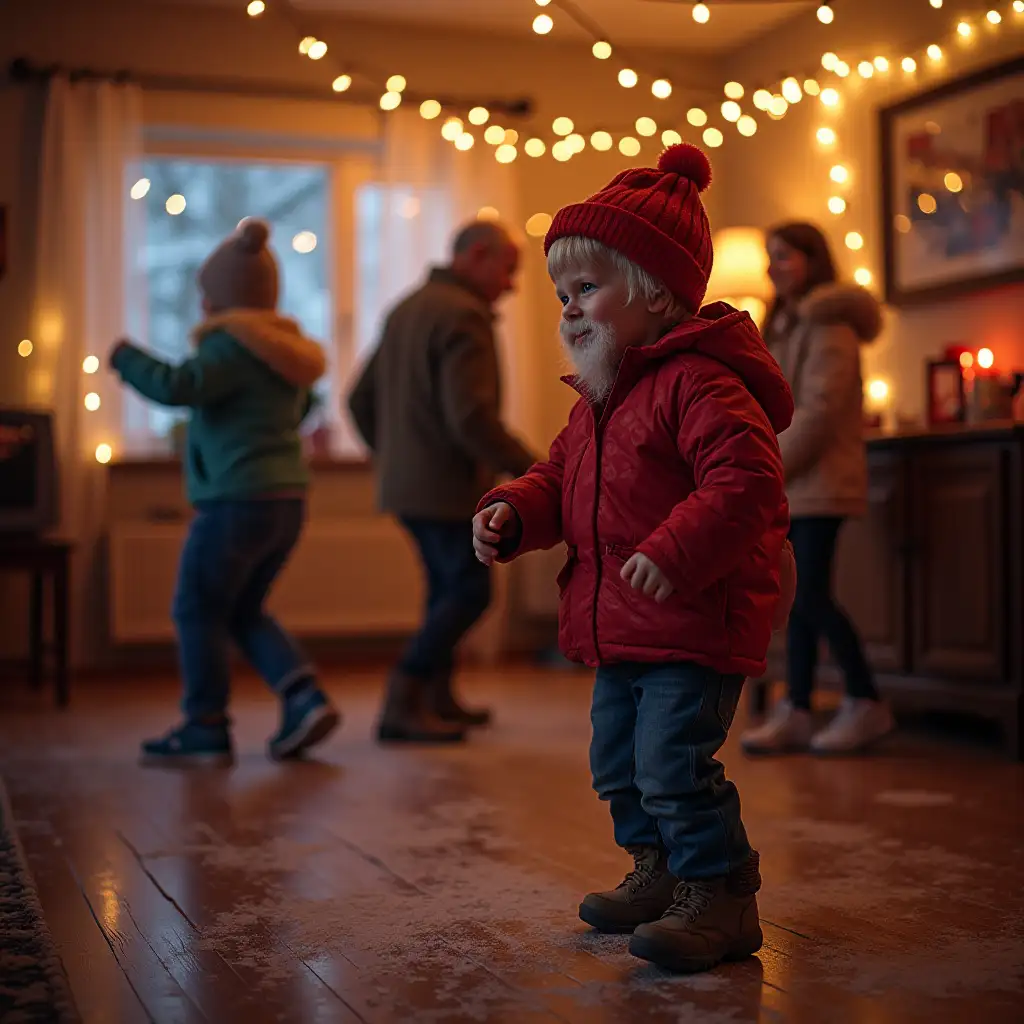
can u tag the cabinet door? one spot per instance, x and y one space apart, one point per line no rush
960 576
870 571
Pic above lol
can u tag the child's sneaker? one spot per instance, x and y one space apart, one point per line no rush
192 745
710 920
787 730
858 723
643 895
307 718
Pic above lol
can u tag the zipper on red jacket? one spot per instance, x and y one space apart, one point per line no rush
597 549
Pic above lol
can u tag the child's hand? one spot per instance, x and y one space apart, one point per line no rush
642 574
489 526
119 346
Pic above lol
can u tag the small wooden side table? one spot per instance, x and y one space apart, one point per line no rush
43 557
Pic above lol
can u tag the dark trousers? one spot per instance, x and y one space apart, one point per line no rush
458 593
657 729
233 554
815 614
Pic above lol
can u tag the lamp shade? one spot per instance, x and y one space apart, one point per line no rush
740 270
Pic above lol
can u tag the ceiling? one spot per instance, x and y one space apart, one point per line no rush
661 24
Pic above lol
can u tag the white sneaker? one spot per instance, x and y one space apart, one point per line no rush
857 724
787 729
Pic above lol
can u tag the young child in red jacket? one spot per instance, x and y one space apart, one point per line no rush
667 488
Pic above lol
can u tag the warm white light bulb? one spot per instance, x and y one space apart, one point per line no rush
601 141
561 151
829 61
104 453
865 69
90 364
495 135
839 174
646 126
909 65
140 189
25 348
826 136
935 52
762 99
863 277
256 8
881 64
628 78
464 141
826 15
811 86
452 129
317 50
836 205
733 91
937 4
628 146
543 24
731 110
601 50
661 88
344 82
696 117
535 147
701 14
429 109
175 204
713 138
791 91
390 100
562 126
396 83
829 97
670 137
964 29
479 115
746 125
305 43
994 17
505 154
91 401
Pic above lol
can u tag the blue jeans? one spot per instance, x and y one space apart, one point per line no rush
458 593
233 554
657 729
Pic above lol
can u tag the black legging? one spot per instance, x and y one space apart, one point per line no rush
816 614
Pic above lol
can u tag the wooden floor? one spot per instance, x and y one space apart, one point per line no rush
442 885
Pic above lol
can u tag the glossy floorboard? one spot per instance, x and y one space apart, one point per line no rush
441 885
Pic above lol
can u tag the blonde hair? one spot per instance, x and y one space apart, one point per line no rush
572 250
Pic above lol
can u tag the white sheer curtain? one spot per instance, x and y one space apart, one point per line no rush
86 298
428 189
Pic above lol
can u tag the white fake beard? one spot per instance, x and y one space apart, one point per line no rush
595 359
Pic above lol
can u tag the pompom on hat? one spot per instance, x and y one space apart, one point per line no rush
654 217
241 273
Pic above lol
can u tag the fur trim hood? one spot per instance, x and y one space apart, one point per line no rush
275 340
844 304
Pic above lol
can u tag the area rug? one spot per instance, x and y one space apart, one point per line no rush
33 986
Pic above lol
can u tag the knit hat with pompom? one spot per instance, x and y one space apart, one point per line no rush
654 217
241 273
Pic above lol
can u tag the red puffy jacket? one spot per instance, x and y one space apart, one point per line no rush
683 465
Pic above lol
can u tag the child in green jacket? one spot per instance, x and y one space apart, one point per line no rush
247 386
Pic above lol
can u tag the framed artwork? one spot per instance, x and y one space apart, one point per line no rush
945 390
953 187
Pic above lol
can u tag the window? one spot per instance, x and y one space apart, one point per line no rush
191 206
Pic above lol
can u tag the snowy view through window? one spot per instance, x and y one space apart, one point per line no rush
295 199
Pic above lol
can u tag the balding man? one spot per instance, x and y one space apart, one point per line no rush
428 407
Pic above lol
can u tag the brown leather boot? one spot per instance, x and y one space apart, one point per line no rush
407 717
643 895
448 709
709 921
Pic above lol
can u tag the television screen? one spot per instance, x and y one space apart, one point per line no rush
27 472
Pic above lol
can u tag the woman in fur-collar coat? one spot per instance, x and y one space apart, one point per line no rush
815 329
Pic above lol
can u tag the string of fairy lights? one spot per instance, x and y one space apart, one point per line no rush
824 82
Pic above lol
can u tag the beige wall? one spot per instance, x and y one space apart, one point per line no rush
782 172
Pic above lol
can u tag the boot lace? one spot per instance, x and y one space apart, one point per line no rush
645 872
690 900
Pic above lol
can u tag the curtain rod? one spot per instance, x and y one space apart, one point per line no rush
22 70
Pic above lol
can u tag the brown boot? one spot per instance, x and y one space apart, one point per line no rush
709 921
448 709
407 717
643 895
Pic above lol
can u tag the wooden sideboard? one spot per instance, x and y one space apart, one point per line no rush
933 576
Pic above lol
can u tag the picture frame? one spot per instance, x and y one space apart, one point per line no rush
945 390
952 181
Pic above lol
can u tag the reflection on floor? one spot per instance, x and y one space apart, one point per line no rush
441 885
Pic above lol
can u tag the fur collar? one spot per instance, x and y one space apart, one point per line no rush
273 339
842 303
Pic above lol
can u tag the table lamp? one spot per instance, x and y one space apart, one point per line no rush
740 272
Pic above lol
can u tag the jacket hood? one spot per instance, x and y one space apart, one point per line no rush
844 304
275 340
732 338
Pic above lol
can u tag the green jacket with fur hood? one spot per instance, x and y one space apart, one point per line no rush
248 388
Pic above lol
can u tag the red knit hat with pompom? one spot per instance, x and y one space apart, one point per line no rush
655 218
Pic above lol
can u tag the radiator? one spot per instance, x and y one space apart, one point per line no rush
356 576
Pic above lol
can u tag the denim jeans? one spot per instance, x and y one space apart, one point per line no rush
233 554
657 729
816 614
458 593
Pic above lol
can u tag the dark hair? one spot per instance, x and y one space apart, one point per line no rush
811 241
